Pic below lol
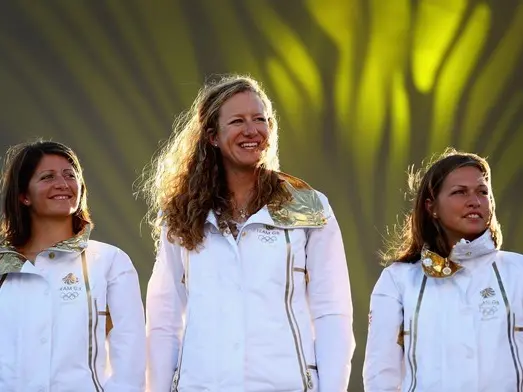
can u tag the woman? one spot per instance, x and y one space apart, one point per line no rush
447 314
62 296
250 291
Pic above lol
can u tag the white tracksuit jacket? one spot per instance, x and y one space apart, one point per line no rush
463 333
239 315
54 315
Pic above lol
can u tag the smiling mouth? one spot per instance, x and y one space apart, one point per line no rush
473 216
61 197
250 145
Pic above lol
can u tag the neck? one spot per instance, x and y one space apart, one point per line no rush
47 232
241 184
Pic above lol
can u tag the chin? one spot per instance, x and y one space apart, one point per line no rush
474 235
61 214
249 165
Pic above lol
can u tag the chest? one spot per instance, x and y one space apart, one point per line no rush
61 294
473 307
260 256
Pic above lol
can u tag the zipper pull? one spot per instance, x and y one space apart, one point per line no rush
310 385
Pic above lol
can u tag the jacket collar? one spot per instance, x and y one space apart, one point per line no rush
461 256
13 261
465 250
304 210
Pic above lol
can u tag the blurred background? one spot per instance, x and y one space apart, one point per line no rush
363 89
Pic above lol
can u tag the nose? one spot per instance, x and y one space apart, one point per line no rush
250 128
474 201
61 183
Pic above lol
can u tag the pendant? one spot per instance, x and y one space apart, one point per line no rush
243 214
447 271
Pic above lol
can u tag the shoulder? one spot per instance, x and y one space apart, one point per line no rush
302 192
106 250
400 275
512 260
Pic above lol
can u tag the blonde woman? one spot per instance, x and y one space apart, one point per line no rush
250 291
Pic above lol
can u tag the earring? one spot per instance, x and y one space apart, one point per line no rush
434 215
215 144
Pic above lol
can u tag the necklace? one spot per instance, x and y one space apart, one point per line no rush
243 213
240 213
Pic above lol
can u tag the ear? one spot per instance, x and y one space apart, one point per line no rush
24 200
430 207
213 137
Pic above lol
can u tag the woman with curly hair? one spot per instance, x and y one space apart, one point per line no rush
447 313
250 289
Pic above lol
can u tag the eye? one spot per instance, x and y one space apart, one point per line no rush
70 175
47 177
459 192
484 192
260 119
236 121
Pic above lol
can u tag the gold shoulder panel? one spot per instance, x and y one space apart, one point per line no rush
294 182
305 209
10 261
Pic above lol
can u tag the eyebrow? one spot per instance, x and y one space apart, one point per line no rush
466 186
54 171
243 115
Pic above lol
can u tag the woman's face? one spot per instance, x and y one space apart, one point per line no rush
243 131
463 206
53 190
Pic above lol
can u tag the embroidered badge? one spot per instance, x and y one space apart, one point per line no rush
268 235
70 290
490 305
70 279
488 292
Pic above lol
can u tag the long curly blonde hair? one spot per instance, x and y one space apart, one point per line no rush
186 179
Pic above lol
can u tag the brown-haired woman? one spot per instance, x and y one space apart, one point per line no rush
250 291
447 314
60 292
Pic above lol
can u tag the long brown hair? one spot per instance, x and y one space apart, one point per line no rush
187 179
19 166
420 228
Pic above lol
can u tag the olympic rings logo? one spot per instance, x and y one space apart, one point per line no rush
267 239
489 311
69 295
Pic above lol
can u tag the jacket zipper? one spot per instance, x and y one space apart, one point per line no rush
96 343
511 337
306 375
90 301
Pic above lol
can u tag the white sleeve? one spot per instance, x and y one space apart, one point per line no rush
166 303
331 306
383 366
127 337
